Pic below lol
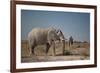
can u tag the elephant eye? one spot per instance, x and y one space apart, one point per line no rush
57 31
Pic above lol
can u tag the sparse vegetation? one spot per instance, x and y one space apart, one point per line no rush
67 52
78 51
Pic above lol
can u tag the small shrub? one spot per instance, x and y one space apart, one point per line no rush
67 52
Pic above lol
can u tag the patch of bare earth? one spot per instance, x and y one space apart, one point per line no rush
53 58
78 51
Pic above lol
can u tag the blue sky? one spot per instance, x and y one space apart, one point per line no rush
73 24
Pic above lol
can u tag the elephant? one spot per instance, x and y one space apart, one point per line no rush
70 41
44 36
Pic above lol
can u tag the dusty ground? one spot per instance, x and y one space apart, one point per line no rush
52 58
78 51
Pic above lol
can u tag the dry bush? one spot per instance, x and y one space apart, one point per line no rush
75 49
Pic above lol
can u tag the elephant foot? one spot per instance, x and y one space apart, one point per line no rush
31 53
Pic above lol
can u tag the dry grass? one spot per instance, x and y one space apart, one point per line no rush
78 51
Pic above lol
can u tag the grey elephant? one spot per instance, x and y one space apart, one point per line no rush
47 36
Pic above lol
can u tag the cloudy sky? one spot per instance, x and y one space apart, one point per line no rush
73 24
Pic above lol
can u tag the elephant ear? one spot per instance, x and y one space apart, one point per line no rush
60 34
57 31
52 35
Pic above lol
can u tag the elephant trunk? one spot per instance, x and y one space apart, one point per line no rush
63 42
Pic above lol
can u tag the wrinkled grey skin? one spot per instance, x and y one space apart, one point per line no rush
48 36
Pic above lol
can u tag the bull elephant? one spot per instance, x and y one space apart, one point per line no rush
47 36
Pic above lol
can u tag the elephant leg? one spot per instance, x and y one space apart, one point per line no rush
47 47
69 44
54 53
30 50
33 49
